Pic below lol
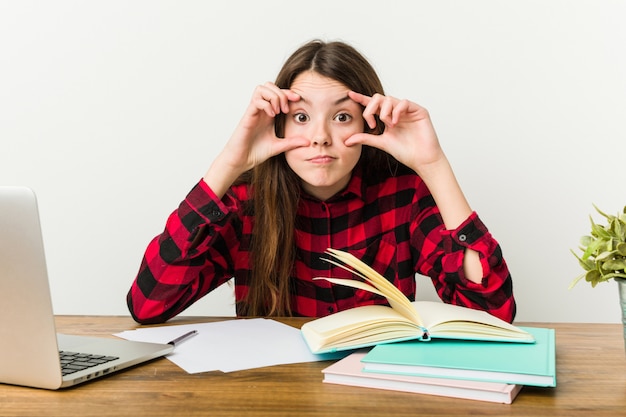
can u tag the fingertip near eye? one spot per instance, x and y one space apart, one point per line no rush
359 98
290 97
370 120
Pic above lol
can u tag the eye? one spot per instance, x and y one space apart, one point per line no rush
343 117
301 117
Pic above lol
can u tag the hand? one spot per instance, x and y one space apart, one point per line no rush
254 140
409 135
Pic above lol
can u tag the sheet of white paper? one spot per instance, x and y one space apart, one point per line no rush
231 345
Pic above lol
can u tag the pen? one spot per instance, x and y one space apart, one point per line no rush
182 338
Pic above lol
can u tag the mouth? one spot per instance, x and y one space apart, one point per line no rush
321 159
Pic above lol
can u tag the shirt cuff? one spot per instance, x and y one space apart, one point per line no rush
471 231
202 200
471 234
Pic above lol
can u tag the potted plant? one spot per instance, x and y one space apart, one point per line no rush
604 255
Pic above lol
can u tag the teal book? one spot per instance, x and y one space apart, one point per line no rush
512 363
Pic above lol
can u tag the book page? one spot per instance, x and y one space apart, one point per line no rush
450 321
403 307
358 325
439 319
394 296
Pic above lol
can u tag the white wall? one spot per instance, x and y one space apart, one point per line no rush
112 110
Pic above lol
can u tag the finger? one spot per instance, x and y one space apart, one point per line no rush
266 100
287 144
386 111
364 139
364 101
278 98
284 96
372 109
291 97
264 105
359 98
402 107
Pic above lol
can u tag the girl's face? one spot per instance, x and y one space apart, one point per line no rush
326 116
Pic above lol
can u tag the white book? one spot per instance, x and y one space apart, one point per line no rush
349 371
371 325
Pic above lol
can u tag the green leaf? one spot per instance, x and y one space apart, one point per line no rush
599 231
592 249
621 236
607 216
586 240
585 264
616 229
614 275
593 276
602 257
603 254
575 281
614 265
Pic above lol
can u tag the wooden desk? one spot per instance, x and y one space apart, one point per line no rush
591 381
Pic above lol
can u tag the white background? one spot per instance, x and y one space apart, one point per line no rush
112 110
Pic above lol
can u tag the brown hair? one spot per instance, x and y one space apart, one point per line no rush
276 188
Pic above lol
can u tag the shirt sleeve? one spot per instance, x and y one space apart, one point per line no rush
443 262
188 260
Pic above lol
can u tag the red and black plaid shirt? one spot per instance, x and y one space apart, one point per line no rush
391 224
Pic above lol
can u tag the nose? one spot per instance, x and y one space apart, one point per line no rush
322 141
321 135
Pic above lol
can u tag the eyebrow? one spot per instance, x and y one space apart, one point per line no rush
342 100
337 102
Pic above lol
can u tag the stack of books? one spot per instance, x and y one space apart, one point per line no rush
429 347
349 371
475 370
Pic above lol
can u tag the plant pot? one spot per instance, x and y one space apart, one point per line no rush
621 286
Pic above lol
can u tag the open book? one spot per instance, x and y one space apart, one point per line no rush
404 320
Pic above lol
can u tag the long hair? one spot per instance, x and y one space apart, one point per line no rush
276 188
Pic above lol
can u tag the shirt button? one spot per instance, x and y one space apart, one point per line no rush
462 238
331 310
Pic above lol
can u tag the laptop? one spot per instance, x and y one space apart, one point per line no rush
31 351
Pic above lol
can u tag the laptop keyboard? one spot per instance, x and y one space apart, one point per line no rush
73 362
